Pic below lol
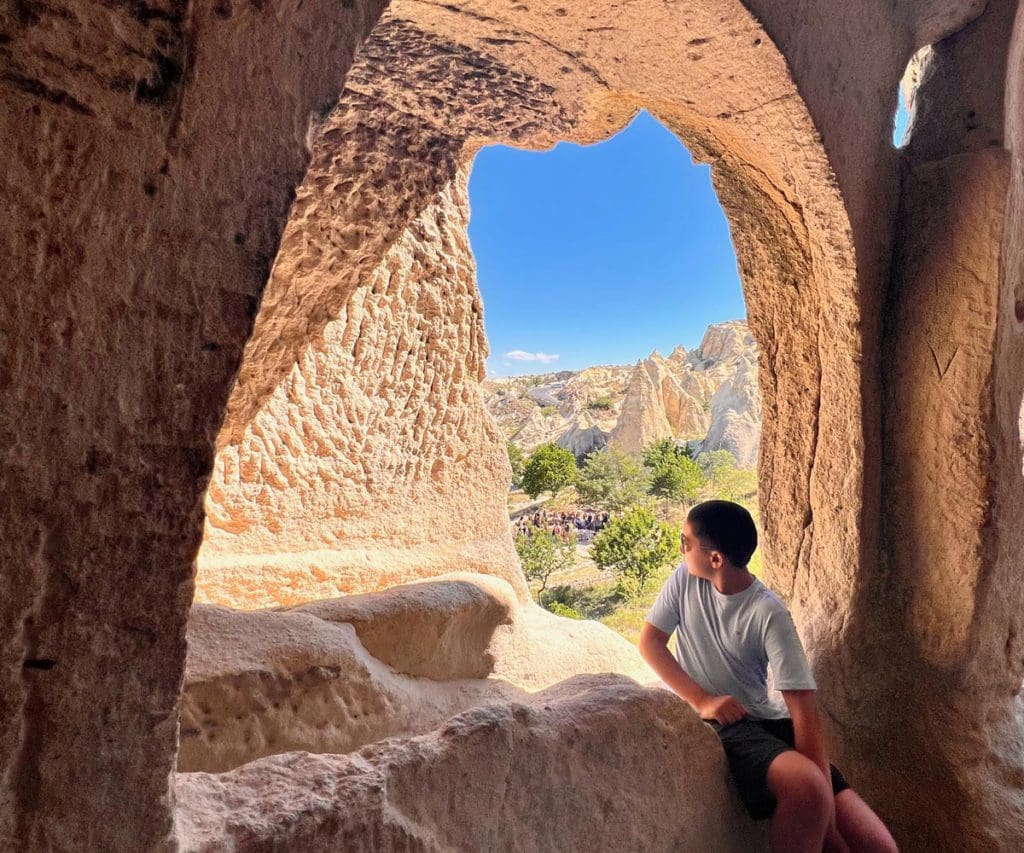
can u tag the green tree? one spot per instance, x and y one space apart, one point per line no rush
736 484
726 479
518 462
635 546
663 450
549 469
612 480
674 475
542 553
714 462
679 479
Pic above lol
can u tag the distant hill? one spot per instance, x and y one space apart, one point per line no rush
708 397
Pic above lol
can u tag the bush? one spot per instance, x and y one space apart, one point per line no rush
518 462
598 601
549 469
714 462
548 411
600 404
736 484
635 546
664 450
612 480
542 553
565 610
680 480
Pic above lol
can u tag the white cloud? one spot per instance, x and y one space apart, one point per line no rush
522 355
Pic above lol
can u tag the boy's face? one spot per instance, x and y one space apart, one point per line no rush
700 560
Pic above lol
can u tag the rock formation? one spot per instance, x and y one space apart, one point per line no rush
557 751
186 221
583 436
336 675
630 408
373 462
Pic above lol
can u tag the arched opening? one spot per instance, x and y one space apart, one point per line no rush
618 337
906 96
148 187
783 269
372 294
212 145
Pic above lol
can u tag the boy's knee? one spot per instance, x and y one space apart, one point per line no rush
798 782
810 792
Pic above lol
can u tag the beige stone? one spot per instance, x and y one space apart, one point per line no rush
654 399
336 675
534 774
374 462
193 196
709 397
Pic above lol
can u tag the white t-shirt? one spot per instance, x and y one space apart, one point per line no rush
727 642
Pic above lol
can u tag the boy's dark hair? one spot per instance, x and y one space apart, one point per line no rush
726 527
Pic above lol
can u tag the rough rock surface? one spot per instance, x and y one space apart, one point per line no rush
335 675
154 160
735 415
524 775
374 462
583 436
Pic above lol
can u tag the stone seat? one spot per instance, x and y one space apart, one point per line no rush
593 763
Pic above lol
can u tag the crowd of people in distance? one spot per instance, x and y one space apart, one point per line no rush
581 524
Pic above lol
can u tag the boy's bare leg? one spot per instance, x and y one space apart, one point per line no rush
803 804
860 827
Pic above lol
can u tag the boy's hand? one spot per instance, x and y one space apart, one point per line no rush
724 709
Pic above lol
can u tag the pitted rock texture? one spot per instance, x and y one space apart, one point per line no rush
336 675
374 462
413 102
152 158
525 775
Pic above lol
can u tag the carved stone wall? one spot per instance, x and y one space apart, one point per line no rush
154 153
374 462
151 157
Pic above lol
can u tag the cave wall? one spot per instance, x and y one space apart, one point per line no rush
952 538
374 462
154 153
151 156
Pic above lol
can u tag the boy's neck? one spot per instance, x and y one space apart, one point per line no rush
729 580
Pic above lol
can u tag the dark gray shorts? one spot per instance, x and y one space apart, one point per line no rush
750 746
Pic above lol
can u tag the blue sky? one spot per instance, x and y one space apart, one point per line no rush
598 254
901 121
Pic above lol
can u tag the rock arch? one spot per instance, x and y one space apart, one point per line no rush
437 83
150 183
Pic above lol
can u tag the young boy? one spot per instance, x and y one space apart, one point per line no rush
729 628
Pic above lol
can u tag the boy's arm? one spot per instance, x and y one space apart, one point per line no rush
654 650
810 737
810 742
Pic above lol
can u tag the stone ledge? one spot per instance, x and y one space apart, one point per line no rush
595 763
